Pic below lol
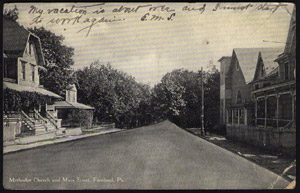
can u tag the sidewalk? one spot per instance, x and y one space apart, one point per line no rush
59 139
277 162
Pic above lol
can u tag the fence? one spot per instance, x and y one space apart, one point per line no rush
100 126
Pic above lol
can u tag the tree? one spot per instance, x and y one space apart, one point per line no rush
58 61
115 96
178 97
11 14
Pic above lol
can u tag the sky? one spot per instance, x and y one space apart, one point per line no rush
149 49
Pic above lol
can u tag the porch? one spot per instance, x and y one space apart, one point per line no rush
18 125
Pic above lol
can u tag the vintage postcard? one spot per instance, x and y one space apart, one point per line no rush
149 95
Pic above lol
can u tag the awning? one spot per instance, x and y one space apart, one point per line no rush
71 105
21 88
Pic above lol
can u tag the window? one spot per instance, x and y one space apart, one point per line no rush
23 70
285 106
261 108
271 107
237 66
32 72
256 86
30 48
241 116
239 98
262 71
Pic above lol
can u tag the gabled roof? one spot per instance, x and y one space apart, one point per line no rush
15 38
268 57
248 57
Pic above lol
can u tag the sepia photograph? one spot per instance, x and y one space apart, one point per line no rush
149 96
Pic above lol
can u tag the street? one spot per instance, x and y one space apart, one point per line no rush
161 156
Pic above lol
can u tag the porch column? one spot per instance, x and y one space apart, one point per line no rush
277 108
293 106
227 116
265 111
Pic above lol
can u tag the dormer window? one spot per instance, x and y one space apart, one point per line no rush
30 48
236 66
23 70
32 72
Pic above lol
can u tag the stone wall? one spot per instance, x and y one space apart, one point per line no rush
11 127
270 138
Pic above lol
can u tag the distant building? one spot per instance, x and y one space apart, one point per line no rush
63 109
262 89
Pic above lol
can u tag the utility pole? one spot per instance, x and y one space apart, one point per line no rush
202 103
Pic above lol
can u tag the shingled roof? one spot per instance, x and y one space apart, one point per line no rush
15 38
248 57
268 57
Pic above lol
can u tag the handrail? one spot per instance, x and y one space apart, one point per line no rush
44 121
288 125
40 116
273 119
52 120
28 120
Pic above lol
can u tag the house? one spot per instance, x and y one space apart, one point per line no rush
63 109
22 58
241 70
263 95
274 94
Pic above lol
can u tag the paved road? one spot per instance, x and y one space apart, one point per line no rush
162 156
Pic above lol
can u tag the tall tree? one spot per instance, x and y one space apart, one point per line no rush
116 96
178 97
58 61
11 14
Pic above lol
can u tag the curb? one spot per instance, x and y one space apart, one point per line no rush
53 143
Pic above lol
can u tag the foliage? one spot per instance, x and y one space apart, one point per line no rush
11 14
16 101
178 98
115 96
79 117
58 61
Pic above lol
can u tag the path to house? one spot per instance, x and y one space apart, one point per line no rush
161 156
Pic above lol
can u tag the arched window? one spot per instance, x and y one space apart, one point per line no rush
239 97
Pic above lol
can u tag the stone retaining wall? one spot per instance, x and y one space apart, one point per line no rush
271 138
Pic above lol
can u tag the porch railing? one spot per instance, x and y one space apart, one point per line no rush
52 120
28 120
41 119
271 122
